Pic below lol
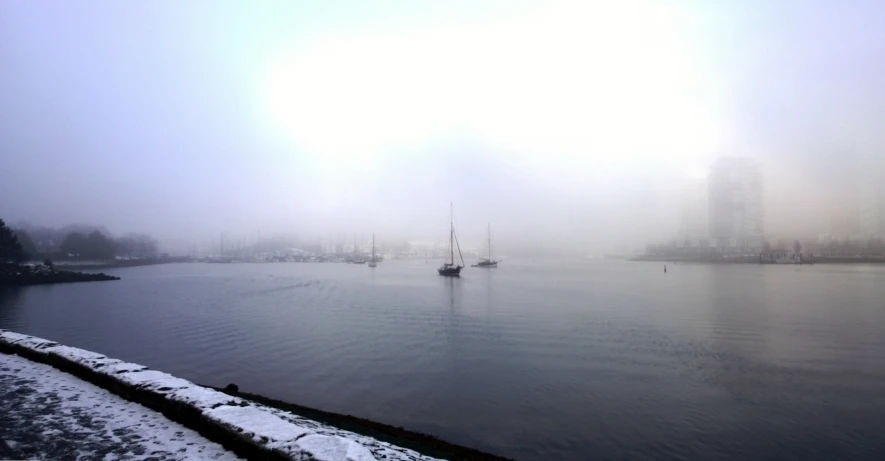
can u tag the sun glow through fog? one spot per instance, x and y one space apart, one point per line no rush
595 85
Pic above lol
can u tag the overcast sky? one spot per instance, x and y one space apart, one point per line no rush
582 122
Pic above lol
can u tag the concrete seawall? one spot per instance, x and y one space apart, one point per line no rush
249 429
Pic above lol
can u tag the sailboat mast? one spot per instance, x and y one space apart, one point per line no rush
452 231
490 241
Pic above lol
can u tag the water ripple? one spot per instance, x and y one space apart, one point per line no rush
532 361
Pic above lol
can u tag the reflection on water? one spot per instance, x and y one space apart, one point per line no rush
10 299
572 361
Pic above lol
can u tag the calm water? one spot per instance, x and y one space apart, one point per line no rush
572 361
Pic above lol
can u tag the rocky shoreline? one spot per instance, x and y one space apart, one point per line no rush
118 263
43 275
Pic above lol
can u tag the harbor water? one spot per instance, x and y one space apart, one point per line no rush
566 360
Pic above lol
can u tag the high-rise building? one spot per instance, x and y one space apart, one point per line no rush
736 215
693 221
872 209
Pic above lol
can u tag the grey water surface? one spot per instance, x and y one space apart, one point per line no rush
566 360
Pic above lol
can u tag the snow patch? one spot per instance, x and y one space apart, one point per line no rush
83 357
63 417
257 423
118 366
154 380
204 399
334 448
31 342
78 355
11 336
281 431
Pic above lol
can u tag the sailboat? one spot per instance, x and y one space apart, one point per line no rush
373 262
449 269
487 262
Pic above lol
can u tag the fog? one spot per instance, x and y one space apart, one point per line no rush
569 126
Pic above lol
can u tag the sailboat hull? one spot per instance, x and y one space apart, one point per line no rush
450 271
487 264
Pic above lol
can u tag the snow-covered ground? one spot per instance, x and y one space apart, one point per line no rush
278 431
49 414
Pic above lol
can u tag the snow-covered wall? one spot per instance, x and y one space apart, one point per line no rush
251 430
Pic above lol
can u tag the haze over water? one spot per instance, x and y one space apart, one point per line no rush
571 360
566 124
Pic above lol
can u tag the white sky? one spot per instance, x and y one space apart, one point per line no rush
583 122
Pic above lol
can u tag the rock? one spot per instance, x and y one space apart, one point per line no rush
46 275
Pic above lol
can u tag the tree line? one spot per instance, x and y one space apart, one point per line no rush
71 243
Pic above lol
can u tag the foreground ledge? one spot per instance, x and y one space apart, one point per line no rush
248 428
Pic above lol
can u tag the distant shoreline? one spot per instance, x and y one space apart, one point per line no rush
27 275
755 260
114 264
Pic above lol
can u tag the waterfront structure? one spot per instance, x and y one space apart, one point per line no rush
735 207
693 222
872 210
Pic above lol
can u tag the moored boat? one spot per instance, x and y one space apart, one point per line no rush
487 262
449 268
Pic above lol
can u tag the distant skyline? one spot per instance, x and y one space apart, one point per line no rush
580 123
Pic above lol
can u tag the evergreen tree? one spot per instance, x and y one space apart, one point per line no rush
28 247
74 244
10 249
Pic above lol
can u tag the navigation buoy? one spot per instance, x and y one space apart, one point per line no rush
665 268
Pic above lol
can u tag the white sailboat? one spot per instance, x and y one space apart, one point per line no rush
488 262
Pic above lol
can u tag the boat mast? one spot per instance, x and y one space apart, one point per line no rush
490 241
452 231
459 248
373 246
